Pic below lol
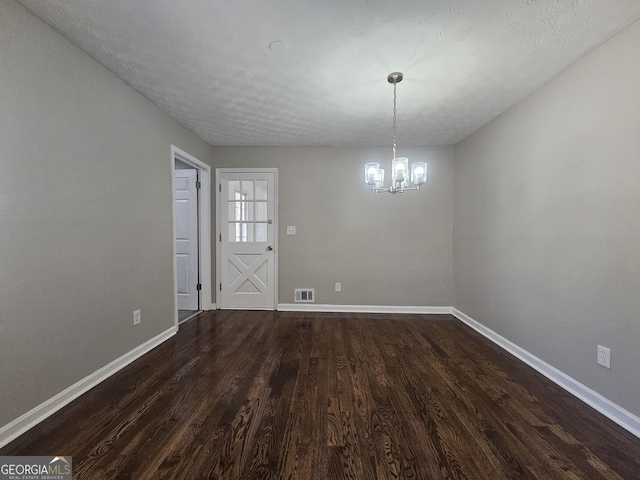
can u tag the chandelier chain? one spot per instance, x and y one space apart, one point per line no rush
395 84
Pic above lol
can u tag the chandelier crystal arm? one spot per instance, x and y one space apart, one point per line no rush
396 190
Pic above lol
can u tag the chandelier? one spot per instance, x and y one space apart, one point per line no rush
374 175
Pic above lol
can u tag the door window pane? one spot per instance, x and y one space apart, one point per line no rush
261 232
260 212
235 211
247 189
247 232
261 189
234 189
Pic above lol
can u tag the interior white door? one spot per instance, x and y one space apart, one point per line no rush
186 214
248 226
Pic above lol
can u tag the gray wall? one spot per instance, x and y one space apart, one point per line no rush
547 221
384 249
85 214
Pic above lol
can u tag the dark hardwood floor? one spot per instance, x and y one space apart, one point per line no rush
268 395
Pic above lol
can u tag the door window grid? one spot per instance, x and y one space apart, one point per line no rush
248 211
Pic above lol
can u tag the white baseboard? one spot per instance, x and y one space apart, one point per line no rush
36 415
613 411
317 307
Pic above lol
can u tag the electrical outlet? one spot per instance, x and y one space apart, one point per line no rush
291 230
604 356
136 317
338 287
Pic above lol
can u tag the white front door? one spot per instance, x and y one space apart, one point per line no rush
247 238
186 214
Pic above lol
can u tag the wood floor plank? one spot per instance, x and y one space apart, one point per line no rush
288 395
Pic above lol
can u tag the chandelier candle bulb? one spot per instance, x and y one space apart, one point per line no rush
371 173
418 173
400 167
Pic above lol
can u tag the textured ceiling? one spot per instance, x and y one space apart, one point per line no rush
209 65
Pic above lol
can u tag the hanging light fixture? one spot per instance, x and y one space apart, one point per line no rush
374 175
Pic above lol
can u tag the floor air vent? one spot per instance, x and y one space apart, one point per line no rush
303 295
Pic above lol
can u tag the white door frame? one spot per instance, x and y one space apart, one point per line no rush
219 172
204 228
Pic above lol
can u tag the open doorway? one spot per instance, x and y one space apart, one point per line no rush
191 191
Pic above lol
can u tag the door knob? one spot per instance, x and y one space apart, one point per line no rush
269 248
